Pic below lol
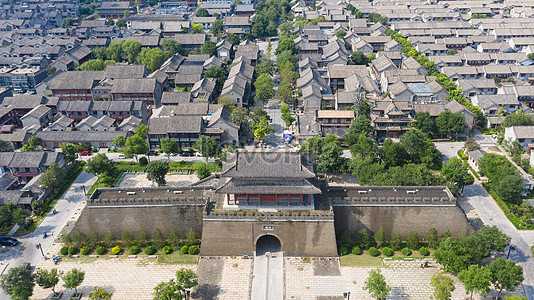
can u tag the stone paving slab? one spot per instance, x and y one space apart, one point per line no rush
236 279
132 278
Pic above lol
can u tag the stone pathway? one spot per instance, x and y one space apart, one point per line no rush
236 279
132 278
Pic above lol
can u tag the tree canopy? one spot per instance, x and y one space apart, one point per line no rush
157 170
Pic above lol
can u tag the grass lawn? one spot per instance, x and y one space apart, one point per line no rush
95 186
177 258
366 260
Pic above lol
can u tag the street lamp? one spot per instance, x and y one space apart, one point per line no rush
40 248
511 248
346 295
83 187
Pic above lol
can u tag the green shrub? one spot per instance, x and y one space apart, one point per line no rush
150 250
461 154
101 250
73 250
356 250
134 250
388 251
343 250
423 251
64 250
373 251
85 250
143 161
406 251
167 250
193 250
116 250
184 249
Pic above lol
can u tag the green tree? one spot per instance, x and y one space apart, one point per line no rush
510 187
34 141
361 125
286 116
413 240
209 47
70 150
449 123
151 58
376 284
424 122
52 178
114 52
99 165
100 293
443 286
66 23
341 33
358 58
127 238
93 65
452 52
233 39
456 173
169 146
432 238
477 279
395 241
286 92
286 45
217 28
393 154
73 279
330 159
196 28
169 290
47 279
240 115
202 12
505 275
264 88
131 48
18 283
314 146
157 170
120 23
171 47
119 141
207 146
203 171
380 237
421 148
261 128
135 145
331 139
518 118
186 278
218 73
377 18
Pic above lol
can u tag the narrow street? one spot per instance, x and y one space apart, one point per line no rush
491 214
275 139
67 209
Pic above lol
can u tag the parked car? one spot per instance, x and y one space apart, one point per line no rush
122 156
7 241
152 153
85 153
187 153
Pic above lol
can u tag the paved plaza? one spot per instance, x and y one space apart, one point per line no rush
173 180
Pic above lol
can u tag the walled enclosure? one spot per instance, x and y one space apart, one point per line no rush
298 237
109 209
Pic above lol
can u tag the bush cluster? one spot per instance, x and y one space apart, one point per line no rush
64 250
134 250
388 251
167 250
193 250
150 250
356 250
85 250
406 251
373 251
424 251
343 250
116 250
101 250
184 249
73 250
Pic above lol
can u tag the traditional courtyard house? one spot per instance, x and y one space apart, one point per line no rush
491 104
40 116
96 139
391 119
522 134
148 90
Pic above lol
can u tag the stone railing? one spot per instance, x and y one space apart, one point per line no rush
267 216
146 201
394 201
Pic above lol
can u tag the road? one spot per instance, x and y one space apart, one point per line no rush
491 214
449 149
115 156
275 139
67 207
268 277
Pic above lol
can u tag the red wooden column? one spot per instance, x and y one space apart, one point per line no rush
228 199
247 199
260 198
276 200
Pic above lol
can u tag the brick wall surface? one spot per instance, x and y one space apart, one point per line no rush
401 219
